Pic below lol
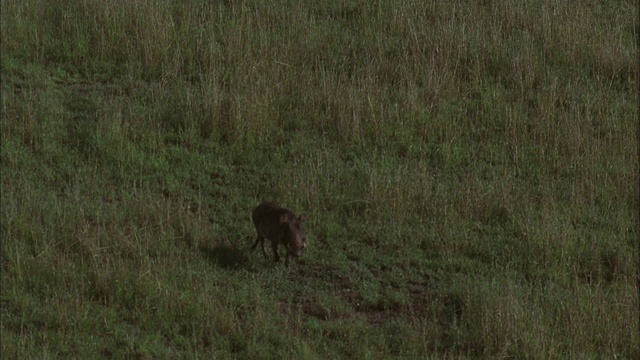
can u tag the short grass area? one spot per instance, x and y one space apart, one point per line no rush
469 171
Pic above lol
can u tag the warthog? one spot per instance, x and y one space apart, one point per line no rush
278 225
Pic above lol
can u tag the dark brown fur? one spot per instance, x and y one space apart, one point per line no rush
278 225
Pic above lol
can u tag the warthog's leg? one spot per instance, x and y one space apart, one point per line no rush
274 246
260 240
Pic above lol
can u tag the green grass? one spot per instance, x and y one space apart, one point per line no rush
468 170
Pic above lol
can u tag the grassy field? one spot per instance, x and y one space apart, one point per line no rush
469 171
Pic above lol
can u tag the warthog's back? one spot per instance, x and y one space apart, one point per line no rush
266 218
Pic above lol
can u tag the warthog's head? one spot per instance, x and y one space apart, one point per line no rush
293 234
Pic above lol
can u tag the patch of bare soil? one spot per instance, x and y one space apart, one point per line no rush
417 299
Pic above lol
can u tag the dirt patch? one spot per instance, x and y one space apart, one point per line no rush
395 298
308 308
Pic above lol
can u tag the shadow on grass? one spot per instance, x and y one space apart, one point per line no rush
224 256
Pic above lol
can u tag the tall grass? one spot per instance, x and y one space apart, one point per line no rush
469 171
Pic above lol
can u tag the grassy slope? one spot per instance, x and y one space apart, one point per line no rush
469 173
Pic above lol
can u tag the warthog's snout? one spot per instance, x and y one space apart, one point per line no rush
278 225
